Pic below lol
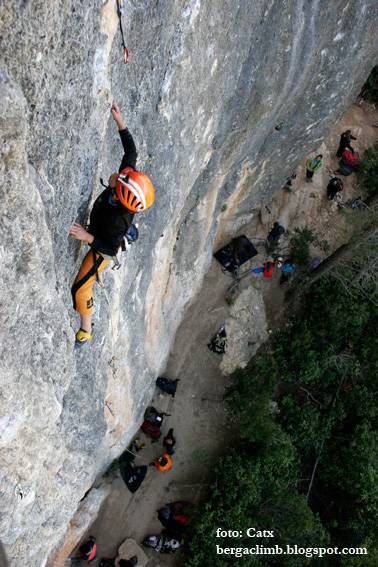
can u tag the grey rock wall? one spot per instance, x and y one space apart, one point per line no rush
206 84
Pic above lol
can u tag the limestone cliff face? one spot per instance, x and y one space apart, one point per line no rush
206 83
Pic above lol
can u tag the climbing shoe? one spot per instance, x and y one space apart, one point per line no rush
82 337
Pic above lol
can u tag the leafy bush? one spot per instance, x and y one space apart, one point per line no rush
300 244
307 410
368 172
370 88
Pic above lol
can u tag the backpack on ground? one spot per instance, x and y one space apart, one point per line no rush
132 475
351 159
181 518
218 343
151 429
166 385
154 416
268 270
164 513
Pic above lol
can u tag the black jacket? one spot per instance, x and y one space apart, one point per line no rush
109 220
345 141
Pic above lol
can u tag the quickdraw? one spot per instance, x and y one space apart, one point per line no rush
119 12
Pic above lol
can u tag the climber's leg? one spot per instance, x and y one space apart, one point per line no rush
82 292
86 322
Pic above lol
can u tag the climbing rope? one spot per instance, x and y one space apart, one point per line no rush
119 12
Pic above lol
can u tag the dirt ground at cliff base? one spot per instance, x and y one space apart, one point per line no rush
199 416
200 422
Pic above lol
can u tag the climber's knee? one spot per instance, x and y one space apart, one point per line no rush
83 300
82 289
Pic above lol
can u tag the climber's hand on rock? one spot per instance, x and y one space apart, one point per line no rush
116 113
79 233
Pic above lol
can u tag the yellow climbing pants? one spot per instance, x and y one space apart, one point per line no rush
82 289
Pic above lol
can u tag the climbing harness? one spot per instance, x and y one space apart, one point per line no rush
119 12
131 235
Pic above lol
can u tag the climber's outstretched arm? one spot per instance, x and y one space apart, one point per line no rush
130 156
117 116
79 233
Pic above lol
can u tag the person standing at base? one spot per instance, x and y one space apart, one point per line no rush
312 165
345 142
275 234
169 442
128 192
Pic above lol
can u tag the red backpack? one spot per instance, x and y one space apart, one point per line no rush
151 429
351 158
268 270
182 518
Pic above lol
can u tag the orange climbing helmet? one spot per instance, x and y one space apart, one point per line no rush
135 190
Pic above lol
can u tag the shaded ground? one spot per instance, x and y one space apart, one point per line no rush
198 413
199 420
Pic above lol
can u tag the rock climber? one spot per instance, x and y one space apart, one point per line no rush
128 192
345 142
163 463
312 165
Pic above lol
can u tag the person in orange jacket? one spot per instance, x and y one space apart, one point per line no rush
163 463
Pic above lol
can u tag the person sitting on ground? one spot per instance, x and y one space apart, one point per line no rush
312 165
276 232
351 159
345 142
334 186
169 442
128 192
218 343
175 523
163 463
